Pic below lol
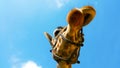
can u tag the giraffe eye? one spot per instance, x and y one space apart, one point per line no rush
56 32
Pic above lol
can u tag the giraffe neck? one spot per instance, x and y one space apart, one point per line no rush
63 64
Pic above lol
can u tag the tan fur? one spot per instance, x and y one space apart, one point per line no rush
76 18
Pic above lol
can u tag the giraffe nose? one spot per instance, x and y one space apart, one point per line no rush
81 17
75 18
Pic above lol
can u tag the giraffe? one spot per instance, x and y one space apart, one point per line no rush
68 40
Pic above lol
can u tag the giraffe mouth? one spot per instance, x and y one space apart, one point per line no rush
75 19
89 14
81 17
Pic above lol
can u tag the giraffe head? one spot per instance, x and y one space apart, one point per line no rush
68 40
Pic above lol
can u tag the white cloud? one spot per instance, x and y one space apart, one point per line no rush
30 64
61 3
18 63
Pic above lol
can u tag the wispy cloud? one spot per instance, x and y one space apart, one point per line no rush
61 3
15 62
14 59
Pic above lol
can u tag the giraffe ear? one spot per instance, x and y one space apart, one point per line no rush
49 37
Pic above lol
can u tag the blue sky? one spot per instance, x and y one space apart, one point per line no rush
23 44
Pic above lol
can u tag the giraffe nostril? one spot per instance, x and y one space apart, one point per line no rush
87 16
